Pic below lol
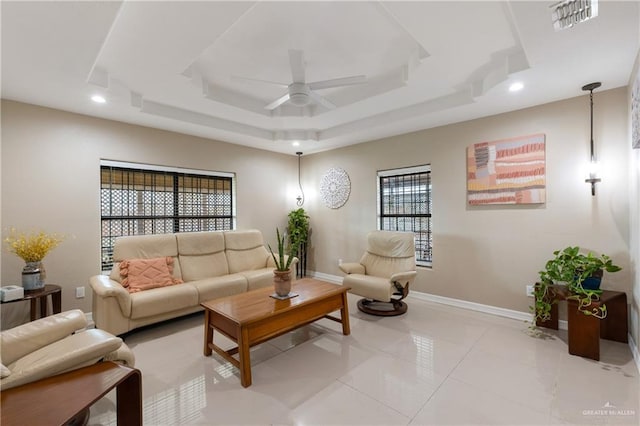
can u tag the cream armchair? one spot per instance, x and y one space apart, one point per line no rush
384 273
53 345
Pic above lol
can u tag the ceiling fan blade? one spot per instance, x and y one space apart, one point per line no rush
337 82
275 104
296 61
322 101
257 80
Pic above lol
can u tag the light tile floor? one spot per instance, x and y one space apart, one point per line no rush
434 365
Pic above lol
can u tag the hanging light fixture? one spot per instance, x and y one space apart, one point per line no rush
593 165
300 197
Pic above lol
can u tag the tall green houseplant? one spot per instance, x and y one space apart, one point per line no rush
298 229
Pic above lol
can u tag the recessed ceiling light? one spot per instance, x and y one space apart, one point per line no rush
295 143
516 86
98 99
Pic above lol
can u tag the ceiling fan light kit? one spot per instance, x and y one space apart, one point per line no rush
299 92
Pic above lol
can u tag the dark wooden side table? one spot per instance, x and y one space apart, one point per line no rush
40 295
57 400
585 331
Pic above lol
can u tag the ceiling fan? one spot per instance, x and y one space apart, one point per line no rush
299 92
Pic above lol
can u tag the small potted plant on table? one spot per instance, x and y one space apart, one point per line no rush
282 273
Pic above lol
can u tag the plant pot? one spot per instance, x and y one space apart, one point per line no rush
593 282
282 282
31 279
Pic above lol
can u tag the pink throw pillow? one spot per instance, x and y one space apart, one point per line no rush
145 274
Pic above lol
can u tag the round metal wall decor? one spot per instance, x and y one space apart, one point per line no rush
335 188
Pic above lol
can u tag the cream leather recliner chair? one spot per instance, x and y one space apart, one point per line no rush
384 273
53 345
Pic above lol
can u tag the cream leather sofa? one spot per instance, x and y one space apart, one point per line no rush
211 264
53 345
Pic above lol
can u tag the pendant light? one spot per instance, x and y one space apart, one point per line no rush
593 165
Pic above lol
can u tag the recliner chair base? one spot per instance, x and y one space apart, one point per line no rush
383 309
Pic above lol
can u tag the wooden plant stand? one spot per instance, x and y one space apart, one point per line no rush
585 331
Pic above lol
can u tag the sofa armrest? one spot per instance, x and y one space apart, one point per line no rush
403 278
294 261
29 337
103 287
75 351
352 268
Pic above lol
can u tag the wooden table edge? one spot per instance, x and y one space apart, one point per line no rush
106 375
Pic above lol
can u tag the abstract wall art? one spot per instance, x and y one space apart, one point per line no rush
509 171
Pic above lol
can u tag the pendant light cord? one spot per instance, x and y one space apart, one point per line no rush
300 198
593 154
593 178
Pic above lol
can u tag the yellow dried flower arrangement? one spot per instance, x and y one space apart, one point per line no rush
32 247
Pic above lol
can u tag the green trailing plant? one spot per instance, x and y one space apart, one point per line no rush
298 227
285 257
571 268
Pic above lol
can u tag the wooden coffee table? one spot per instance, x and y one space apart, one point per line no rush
254 317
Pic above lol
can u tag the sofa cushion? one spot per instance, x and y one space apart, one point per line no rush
214 287
145 274
202 255
258 278
4 371
26 338
377 288
144 247
74 351
245 250
162 300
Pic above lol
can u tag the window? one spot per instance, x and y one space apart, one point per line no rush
404 204
137 199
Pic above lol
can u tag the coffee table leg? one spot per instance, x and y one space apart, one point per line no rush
208 333
344 314
245 362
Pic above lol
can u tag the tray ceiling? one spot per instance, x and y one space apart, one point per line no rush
208 68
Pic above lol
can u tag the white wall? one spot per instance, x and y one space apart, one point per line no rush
489 254
50 181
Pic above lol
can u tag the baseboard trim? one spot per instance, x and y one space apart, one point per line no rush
502 312
326 277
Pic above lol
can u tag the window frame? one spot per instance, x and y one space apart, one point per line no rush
174 173
403 171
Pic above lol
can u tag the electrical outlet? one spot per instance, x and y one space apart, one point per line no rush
339 261
530 291
79 292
